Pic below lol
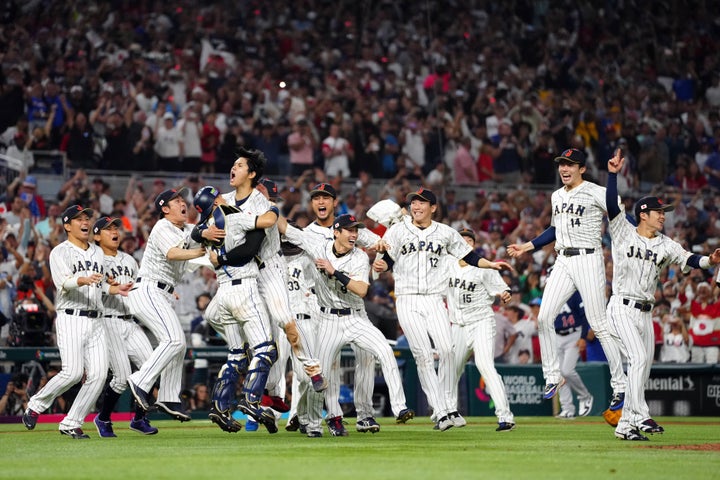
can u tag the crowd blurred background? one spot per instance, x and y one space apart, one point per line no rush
472 99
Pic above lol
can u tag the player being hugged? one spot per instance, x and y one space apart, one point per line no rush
576 228
639 255
415 248
341 283
78 272
168 249
236 312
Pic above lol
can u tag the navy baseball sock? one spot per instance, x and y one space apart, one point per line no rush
110 399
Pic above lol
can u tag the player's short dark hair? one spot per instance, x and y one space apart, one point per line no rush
256 162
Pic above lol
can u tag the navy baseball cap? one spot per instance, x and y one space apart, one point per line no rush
167 195
466 232
104 222
645 204
423 194
270 186
572 155
75 210
347 221
323 189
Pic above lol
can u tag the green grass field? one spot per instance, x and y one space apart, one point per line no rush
539 448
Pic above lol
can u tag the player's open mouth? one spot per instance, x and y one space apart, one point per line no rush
85 229
115 238
322 209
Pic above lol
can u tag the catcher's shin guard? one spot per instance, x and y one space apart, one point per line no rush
223 393
264 355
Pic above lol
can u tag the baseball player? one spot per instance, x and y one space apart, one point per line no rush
126 339
576 229
341 282
254 207
639 255
238 314
416 247
323 200
78 273
570 327
305 402
167 251
471 293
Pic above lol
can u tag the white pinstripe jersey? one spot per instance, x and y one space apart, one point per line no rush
257 204
638 261
122 268
330 292
300 269
471 292
155 266
365 238
69 261
418 255
235 234
577 216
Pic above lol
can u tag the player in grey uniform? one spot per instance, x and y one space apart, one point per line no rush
416 247
471 293
323 200
78 273
639 255
126 339
245 175
341 282
168 249
576 228
237 312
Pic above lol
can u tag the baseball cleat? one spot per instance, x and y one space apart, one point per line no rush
293 424
505 427
585 406
142 425
551 389
314 434
319 383
565 414
175 410
617 402
224 421
104 429
30 418
368 424
650 426
140 396
633 435
405 415
336 427
444 423
457 419
75 433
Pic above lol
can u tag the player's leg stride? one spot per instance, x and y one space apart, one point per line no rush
264 356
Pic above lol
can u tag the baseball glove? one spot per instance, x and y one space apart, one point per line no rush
612 417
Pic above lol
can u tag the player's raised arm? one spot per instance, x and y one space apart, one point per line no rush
615 164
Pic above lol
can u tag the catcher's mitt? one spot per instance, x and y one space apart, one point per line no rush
612 417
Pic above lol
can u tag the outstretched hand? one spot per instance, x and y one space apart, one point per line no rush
502 266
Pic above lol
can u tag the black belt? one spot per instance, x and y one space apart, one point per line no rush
121 317
565 333
571 252
302 316
336 311
237 281
83 313
643 307
160 285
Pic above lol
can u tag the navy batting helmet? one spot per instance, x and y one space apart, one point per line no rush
204 200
